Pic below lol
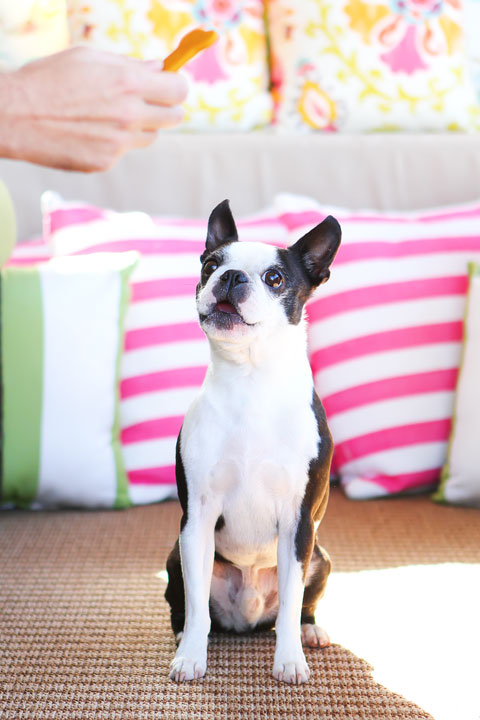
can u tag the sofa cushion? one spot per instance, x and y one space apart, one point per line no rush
385 339
460 482
61 341
166 353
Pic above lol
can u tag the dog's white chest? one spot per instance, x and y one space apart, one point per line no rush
247 454
251 495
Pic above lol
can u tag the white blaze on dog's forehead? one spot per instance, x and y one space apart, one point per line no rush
250 256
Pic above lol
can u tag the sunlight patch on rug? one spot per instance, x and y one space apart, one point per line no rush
417 626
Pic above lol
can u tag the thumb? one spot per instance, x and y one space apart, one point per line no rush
154 65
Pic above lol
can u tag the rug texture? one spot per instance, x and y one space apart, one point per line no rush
84 627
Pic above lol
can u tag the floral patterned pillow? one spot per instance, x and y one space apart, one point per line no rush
359 65
30 29
229 81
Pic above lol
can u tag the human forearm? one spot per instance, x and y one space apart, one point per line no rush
83 109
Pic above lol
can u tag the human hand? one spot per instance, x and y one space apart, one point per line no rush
82 109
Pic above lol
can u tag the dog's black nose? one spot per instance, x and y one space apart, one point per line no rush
232 278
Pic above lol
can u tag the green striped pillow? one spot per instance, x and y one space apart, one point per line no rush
61 343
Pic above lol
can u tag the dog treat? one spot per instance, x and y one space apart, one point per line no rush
191 44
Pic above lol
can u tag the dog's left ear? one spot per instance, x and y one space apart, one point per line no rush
317 249
221 228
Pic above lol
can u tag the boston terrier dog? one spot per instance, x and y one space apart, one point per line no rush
253 455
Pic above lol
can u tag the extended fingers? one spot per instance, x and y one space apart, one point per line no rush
139 116
157 118
151 98
163 88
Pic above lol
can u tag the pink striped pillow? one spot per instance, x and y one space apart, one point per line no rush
166 353
385 339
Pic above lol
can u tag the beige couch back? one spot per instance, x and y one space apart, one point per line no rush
189 174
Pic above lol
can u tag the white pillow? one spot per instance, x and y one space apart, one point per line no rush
461 475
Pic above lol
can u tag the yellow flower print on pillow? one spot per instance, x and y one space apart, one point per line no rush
316 108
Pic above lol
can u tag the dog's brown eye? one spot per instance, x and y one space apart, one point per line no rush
209 268
273 278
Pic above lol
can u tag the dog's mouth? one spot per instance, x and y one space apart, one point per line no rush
224 315
226 307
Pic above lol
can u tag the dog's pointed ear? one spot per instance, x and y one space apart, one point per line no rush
221 227
317 249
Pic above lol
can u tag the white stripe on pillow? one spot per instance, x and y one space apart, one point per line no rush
145 407
144 454
163 358
371 417
378 367
415 468
394 316
164 311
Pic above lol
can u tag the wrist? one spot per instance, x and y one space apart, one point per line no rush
10 118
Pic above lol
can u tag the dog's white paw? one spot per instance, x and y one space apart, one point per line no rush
184 668
314 636
295 673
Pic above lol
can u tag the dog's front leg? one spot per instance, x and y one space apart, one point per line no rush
289 662
197 550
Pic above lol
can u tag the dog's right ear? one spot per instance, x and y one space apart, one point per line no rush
221 228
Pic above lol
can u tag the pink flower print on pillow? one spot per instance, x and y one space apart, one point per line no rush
404 57
206 68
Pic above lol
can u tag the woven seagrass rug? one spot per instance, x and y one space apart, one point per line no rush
84 628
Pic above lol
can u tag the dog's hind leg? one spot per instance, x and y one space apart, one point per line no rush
175 592
316 581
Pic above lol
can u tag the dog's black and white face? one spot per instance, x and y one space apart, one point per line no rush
249 289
